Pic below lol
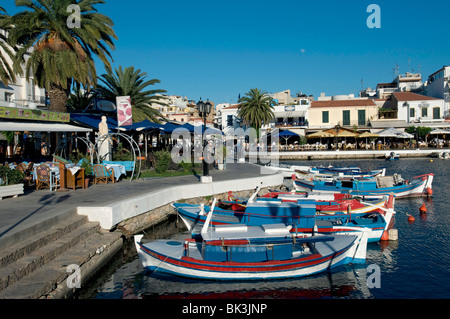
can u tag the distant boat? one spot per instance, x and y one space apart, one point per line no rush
392 156
444 155
241 252
417 186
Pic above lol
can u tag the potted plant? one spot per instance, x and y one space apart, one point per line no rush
10 140
88 172
11 182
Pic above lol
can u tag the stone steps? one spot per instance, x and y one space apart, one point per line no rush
38 267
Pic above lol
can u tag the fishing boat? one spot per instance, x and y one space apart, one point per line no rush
328 204
328 174
372 187
241 252
392 156
301 216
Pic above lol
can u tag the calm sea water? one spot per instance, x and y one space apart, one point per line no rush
416 266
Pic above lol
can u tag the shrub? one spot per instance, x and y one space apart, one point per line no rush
162 161
10 176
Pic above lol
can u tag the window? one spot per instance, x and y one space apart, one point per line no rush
412 112
424 112
345 117
361 117
325 116
230 120
9 96
436 113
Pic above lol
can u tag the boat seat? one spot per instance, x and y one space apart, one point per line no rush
385 181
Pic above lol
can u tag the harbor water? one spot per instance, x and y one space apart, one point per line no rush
417 265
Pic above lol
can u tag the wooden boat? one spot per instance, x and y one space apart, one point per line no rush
372 187
328 173
241 252
301 216
328 204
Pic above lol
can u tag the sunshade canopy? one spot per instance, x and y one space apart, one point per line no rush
320 134
367 135
41 127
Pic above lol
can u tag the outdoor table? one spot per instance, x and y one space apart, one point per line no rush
118 170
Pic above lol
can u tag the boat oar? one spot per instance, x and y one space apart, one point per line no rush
208 218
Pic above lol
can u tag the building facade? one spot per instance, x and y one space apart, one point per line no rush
23 93
345 113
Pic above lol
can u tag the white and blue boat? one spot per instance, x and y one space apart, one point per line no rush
241 252
392 156
300 216
371 187
327 172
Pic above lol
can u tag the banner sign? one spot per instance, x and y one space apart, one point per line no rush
124 111
28 114
289 108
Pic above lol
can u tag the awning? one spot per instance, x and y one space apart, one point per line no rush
367 134
41 127
93 121
144 125
320 134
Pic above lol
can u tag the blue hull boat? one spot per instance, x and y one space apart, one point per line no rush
233 253
300 217
371 187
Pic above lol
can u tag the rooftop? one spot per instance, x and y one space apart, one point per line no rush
340 103
409 96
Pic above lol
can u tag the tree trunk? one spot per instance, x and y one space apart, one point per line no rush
58 99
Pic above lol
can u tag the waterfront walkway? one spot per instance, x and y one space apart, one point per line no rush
42 233
22 216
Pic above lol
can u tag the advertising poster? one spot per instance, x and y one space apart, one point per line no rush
124 115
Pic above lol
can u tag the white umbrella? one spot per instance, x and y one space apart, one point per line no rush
439 131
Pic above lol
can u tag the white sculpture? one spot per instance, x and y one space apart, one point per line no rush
104 142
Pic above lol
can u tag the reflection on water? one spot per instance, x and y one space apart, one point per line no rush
415 266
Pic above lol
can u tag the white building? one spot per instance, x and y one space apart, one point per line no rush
408 82
22 93
438 86
416 108
227 117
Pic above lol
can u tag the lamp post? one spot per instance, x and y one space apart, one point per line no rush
204 108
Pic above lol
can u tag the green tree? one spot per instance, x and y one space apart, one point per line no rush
133 83
256 108
6 72
79 100
421 130
60 53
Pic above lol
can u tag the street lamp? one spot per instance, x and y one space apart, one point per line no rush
204 109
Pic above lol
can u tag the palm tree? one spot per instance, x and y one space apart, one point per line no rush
60 54
256 108
6 73
133 83
80 99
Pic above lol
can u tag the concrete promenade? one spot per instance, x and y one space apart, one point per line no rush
42 233
348 154
109 204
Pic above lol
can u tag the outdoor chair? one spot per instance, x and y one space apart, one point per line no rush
27 177
43 177
103 174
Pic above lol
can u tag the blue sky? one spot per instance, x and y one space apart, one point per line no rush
220 49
